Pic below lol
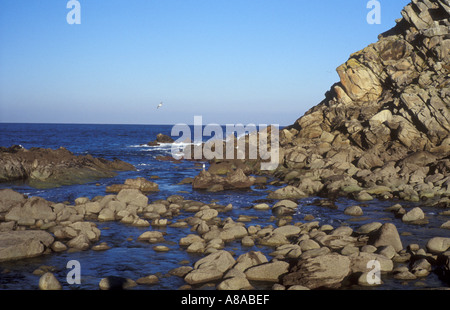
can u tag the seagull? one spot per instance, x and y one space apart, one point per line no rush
159 105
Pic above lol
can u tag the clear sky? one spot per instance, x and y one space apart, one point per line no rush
230 61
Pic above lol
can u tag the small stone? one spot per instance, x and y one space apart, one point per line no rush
363 196
446 225
413 215
116 283
368 228
438 244
308 217
421 268
387 251
161 248
180 271
148 280
308 244
261 207
101 247
413 247
369 279
235 283
248 241
298 288
58 246
353 211
49 282
368 249
196 247
207 214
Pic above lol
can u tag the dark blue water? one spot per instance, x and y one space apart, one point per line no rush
133 259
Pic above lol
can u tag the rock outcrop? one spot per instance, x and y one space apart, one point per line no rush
385 126
45 168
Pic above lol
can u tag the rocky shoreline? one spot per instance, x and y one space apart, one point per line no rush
304 255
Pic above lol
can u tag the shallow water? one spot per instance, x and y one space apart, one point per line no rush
134 259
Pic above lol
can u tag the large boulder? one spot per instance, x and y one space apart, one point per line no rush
35 208
9 199
324 271
386 235
16 245
210 268
269 272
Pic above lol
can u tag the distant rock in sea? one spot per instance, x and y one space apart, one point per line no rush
46 168
161 138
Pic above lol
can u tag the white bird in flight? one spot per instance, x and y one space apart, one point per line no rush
159 105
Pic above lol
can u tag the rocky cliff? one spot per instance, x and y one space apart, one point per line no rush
383 129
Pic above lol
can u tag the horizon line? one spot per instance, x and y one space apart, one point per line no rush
125 124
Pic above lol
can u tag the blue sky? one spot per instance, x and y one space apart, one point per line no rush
230 61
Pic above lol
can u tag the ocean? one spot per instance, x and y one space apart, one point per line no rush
134 259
